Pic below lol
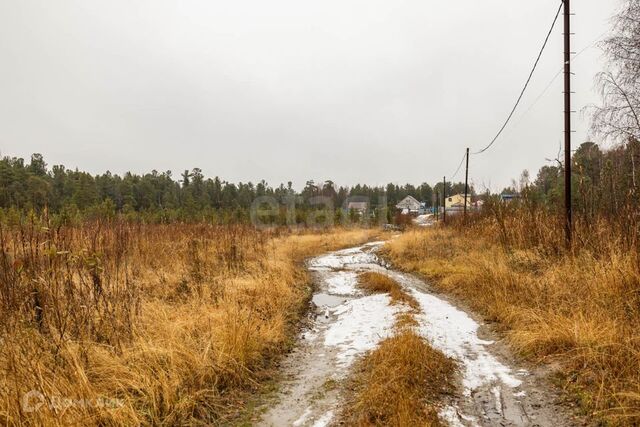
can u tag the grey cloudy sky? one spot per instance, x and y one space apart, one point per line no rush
366 91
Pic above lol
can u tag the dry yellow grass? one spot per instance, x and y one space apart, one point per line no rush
178 323
379 283
581 309
399 384
402 381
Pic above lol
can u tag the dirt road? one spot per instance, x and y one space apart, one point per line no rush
347 323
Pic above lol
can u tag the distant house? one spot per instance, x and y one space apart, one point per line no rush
509 197
457 201
410 205
358 207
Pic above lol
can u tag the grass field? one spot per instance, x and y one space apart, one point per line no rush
114 323
579 308
123 324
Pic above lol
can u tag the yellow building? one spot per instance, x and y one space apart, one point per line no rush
457 201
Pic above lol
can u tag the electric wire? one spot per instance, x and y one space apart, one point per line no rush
458 169
526 85
546 89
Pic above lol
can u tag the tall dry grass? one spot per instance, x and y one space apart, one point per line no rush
146 324
402 382
579 307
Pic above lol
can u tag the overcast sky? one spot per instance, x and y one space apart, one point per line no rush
365 91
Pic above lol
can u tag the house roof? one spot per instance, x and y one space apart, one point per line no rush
509 196
408 202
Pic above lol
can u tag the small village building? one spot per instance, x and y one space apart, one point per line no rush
409 205
457 201
358 207
507 198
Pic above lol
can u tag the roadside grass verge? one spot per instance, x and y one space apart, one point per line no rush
172 324
402 381
580 310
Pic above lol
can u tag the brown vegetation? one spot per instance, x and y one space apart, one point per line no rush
401 382
146 324
580 308
381 283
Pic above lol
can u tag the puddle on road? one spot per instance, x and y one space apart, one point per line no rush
326 300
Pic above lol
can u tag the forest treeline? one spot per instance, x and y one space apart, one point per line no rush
604 182
159 197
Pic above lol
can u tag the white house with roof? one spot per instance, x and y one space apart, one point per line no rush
409 205
359 207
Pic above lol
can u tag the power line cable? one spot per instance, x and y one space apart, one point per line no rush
546 89
535 65
522 116
459 166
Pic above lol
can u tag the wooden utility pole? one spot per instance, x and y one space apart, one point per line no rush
567 122
466 185
444 199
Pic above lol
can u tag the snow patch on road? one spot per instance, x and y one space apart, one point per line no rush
341 259
360 325
300 421
454 333
449 414
324 420
342 283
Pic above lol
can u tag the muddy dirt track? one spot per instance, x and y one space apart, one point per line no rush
345 323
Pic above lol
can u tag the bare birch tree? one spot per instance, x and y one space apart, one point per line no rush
618 118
